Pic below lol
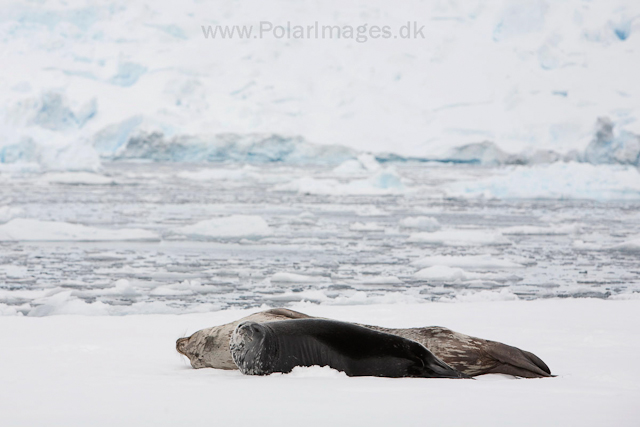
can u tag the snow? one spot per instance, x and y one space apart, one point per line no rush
555 181
457 237
107 370
37 230
230 226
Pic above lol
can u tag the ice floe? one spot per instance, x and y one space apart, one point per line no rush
466 261
457 237
228 227
37 230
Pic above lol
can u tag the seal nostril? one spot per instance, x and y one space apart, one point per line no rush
180 344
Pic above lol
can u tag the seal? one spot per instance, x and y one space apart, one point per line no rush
265 348
209 348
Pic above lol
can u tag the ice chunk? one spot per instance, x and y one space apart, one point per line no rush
230 226
297 278
222 174
7 213
384 182
65 303
366 226
247 148
469 261
456 237
426 223
78 178
441 273
632 245
612 147
37 230
531 230
485 153
556 181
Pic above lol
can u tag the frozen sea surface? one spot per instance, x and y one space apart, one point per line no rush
176 238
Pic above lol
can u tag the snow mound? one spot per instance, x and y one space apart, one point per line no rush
230 226
470 261
555 181
316 372
36 230
420 222
460 238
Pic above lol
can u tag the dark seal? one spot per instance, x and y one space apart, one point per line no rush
265 348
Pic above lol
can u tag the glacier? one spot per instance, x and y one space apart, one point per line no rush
492 83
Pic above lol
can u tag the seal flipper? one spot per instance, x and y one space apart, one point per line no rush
432 366
439 369
514 361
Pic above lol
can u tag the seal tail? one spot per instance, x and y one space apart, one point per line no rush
514 361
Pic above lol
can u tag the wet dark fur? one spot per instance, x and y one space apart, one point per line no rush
209 348
264 348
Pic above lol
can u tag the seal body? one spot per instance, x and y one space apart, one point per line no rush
265 348
209 348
